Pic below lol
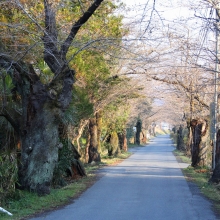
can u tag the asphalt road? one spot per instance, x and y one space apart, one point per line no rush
147 186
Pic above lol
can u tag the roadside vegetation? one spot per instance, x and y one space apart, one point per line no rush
201 176
79 85
26 204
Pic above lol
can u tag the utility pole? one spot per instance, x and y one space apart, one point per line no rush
216 86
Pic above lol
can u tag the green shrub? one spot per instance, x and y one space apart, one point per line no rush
64 162
8 178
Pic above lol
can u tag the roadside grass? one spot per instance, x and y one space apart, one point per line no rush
29 204
180 155
201 176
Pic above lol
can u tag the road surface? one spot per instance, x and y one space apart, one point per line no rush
147 186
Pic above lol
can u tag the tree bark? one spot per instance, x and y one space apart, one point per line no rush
39 153
123 141
199 146
180 143
99 130
93 147
189 139
113 141
216 173
138 132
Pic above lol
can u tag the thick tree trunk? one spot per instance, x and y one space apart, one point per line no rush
93 147
39 153
37 126
199 145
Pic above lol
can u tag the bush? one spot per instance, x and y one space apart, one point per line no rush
8 178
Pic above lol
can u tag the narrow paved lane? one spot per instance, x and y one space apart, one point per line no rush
147 186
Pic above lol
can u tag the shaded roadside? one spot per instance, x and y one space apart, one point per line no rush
198 181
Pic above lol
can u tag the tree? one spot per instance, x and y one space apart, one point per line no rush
42 105
180 144
138 131
199 146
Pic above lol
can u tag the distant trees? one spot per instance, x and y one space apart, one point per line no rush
177 63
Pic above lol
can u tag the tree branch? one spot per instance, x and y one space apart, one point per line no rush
9 118
196 97
51 52
75 28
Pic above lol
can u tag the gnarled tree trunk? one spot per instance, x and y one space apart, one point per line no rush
39 153
199 145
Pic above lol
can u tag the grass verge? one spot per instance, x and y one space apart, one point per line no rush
200 176
30 204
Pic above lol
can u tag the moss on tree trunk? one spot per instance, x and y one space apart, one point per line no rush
39 153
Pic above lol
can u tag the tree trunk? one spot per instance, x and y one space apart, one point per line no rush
123 141
93 147
189 139
180 142
138 132
80 130
216 173
99 130
144 137
113 149
39 153
199 146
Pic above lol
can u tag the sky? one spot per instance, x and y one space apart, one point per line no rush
168 8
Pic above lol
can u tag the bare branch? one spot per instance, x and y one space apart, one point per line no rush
77 26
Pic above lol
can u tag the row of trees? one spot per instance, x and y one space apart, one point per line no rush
191 79
176 58
62 96
73 78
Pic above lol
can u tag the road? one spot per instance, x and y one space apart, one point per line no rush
149 185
